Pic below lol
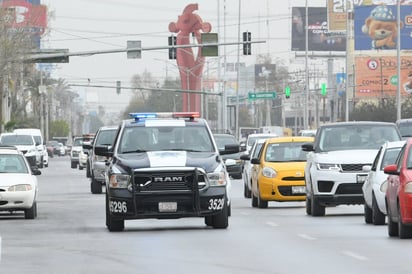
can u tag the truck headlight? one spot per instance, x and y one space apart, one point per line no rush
119 181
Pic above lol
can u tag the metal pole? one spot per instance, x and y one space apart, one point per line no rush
398 52
306 115
347 65
238 73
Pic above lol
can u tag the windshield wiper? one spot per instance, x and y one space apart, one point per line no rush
134 151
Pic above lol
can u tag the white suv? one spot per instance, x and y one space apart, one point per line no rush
333 172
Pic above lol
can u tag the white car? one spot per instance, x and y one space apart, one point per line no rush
251 138
25 143
38 138
333 172
18 183
247 166
373 192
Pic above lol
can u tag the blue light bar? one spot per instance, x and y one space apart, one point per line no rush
142 115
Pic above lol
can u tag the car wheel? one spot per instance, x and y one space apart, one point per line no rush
254 200
317 209
308 206
73 165
378 218
246 191
261 203
367 213
95 186
221 220
392 226
31 213
41 164
88 173
112 225
404 231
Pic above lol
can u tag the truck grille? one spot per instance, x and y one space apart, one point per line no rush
168 181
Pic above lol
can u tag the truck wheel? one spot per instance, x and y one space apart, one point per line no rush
378 218
221 220
95 186
208 220
112 225
317 209
80 167
88 173
73 165
367 214
308 206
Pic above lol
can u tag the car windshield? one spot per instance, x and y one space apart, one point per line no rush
106 137
223 140
22 140
141 139
285 152
78 142
391 154
362 136
405 128
12 163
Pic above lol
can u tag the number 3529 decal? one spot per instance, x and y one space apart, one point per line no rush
118 207
216 204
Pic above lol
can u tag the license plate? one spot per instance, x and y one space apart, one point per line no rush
167 206
361 178
298 189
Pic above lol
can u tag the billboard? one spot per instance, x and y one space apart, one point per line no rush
375 27
319 37
377 76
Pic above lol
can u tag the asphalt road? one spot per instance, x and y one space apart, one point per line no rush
69 236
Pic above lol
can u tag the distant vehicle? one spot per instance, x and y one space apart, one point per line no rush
96 165
399 193
77 150
25 143
375 208
253 137
40 144
333 172
248 166
405 127
307 132
279 174
61 149
234 164
18 183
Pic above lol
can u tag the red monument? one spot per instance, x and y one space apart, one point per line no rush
190 67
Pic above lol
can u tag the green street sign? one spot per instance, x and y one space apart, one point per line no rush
262 95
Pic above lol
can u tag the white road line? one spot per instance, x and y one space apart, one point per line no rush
354 255
272 224
306 237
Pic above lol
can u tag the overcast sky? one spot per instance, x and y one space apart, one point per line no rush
89 25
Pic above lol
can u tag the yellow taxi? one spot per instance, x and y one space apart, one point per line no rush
278 173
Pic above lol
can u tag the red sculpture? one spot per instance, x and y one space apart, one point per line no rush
190 68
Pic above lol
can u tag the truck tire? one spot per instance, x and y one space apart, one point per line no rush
221 220
317 209
112 225
95 186
308 206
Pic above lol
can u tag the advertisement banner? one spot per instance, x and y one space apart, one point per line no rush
376 27
319 37
377 76
336 15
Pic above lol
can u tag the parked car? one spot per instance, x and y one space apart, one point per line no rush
279 172
375 208
247 166
234 164
399 193
333 172
96 165
18 183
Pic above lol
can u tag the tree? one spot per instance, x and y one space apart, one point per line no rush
59 128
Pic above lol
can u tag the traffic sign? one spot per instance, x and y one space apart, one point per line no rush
262 95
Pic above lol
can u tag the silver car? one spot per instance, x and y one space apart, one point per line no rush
373 188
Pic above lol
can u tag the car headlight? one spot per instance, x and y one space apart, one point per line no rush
269 172
119 181
25 187
408 187
332 167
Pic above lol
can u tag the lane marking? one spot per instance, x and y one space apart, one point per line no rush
354 255
272 224
306 237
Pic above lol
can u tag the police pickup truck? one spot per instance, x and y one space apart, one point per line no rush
166 166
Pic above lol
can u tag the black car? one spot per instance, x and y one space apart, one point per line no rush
234 164
165 166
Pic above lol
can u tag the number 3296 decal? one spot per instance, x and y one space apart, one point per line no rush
118 207
216 204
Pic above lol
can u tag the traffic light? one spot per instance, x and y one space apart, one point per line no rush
118 87
247 47
172 51
323 89
287 92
